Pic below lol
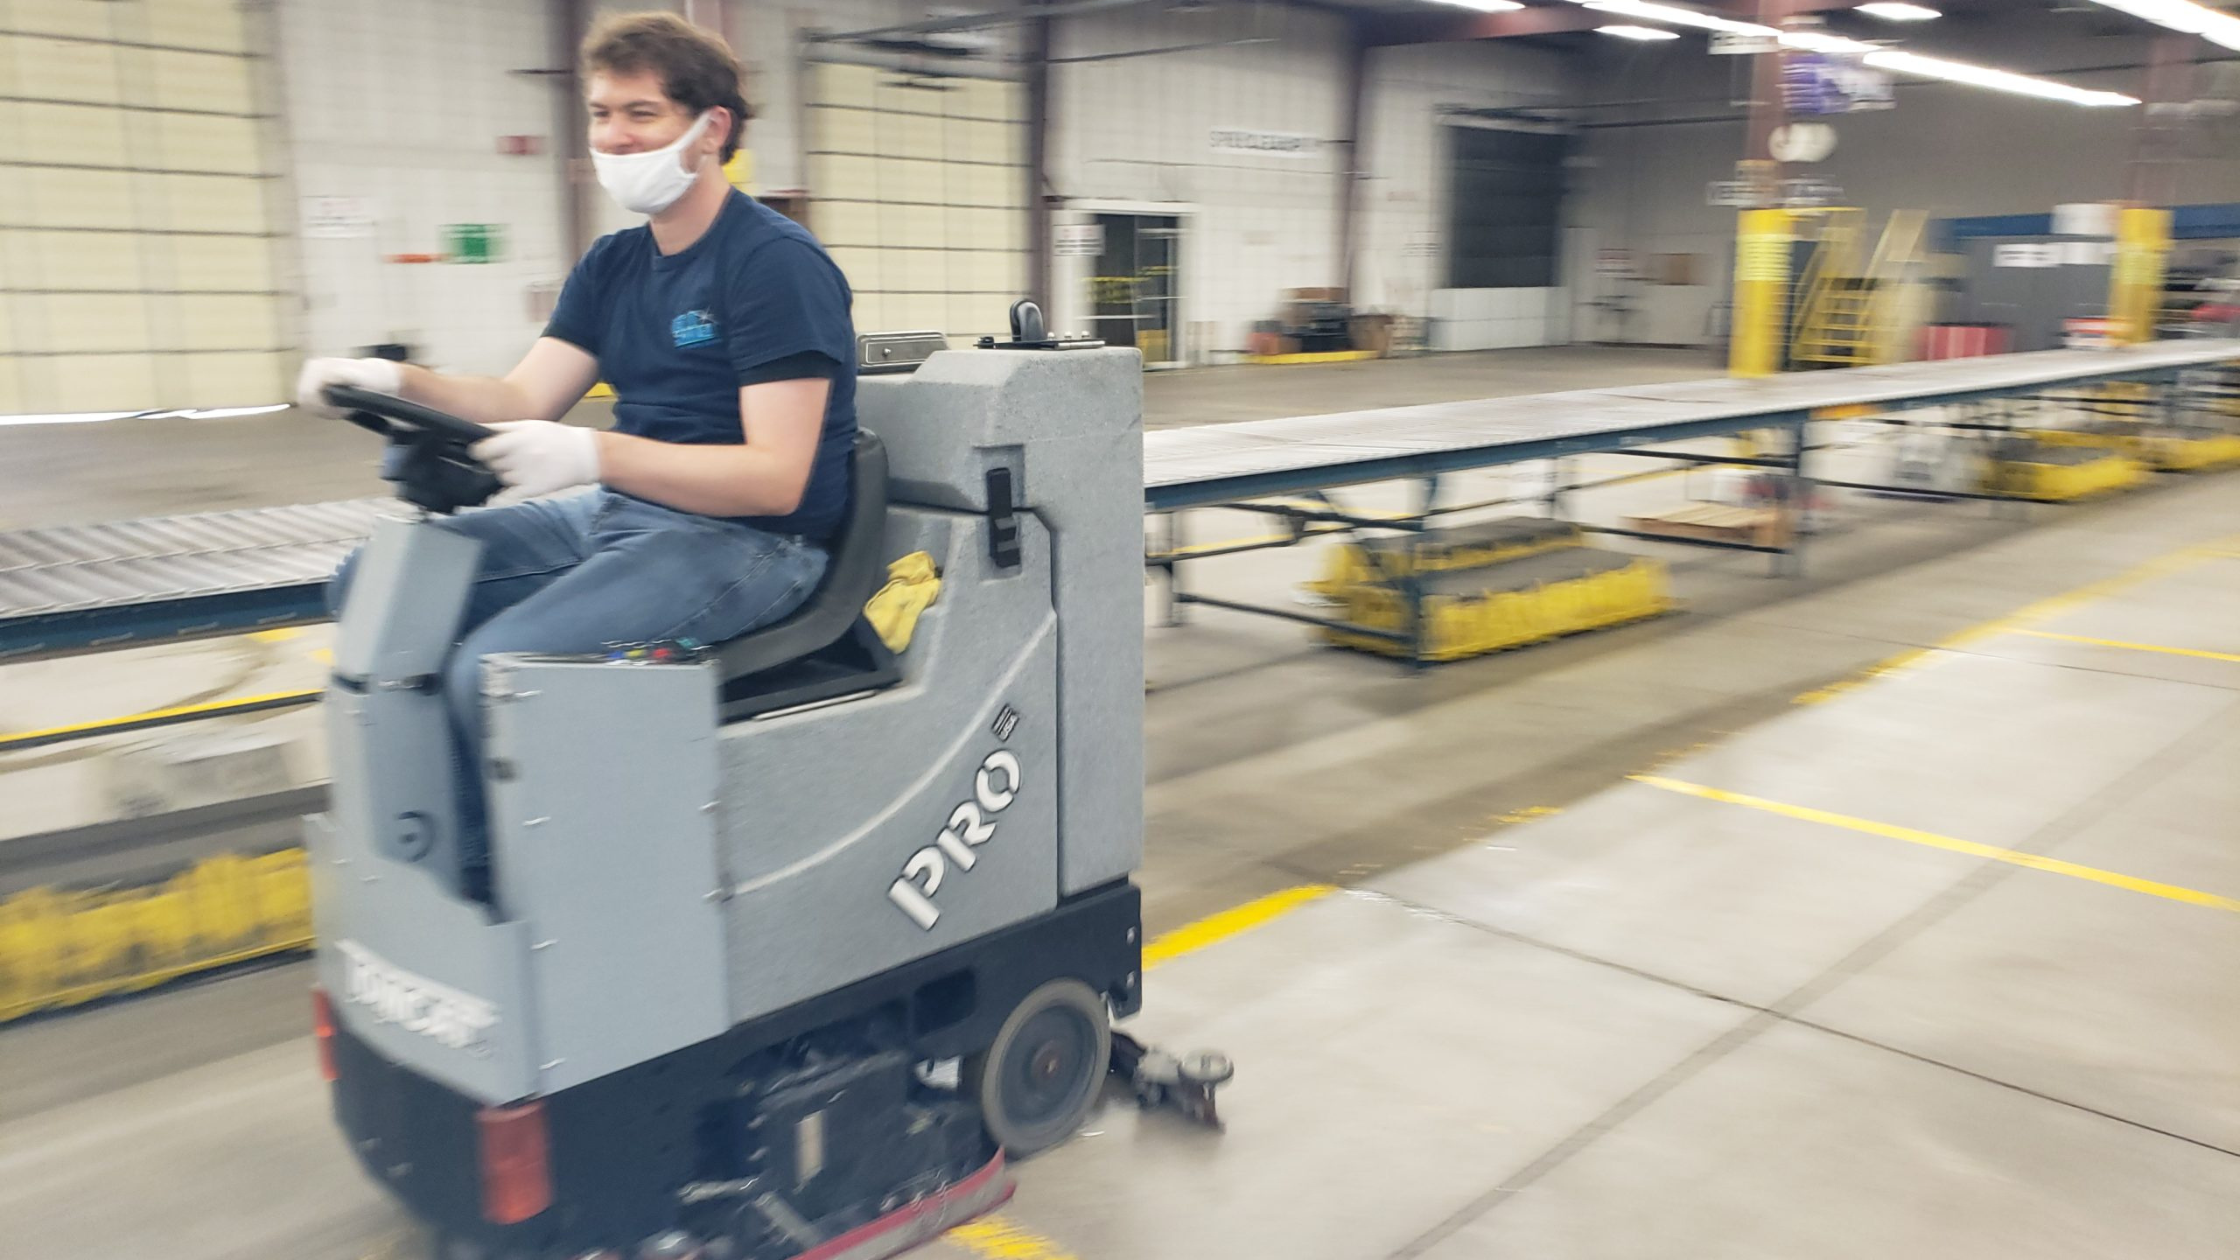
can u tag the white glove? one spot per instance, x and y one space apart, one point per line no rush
382 376
538 457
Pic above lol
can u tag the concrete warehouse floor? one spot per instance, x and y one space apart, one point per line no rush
1807 992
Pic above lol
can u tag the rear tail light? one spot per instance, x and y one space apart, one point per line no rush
322 1031
516 1169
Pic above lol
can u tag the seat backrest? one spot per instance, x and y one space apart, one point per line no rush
851 577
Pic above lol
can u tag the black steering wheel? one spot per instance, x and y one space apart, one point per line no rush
429 458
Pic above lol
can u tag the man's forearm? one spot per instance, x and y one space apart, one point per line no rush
482 399
709 480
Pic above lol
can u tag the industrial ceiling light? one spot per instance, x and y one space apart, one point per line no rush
2222 29
1808 40
1898 11
1645 34
1997 80
1482 6
1823 42
1676 15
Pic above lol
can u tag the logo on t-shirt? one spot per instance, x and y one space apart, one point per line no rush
692 328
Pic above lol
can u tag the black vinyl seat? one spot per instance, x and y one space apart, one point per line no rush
826 648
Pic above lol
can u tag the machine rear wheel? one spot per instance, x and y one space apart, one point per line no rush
1037 1080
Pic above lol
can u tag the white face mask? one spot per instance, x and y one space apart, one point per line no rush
650 182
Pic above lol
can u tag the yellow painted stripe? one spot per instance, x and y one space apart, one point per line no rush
2176 561
2131 647
1930 839
1193 937
213 708
1000 1238
1324 356
996 1237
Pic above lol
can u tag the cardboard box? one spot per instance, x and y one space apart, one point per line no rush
1371 332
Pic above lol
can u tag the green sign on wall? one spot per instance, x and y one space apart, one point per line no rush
474 242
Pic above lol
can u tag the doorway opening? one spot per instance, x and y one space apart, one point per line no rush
1134 290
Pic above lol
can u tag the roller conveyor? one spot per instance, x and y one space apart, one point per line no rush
73 588
1199 467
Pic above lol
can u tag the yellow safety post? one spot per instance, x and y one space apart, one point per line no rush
2135 287
1761 293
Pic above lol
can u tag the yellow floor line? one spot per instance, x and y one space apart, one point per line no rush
2173 562
1000 1238
2132 647
211 708
2015 857
1192 937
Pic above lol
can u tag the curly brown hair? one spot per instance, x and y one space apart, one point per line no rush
697 69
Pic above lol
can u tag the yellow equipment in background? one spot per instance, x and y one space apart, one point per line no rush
1470 612
2135 282
2060 474
1486 587
1463 547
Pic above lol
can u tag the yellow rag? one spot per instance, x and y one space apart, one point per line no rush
912 584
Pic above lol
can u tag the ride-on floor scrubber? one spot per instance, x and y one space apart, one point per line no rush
783 942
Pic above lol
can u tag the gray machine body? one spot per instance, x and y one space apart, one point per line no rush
659 876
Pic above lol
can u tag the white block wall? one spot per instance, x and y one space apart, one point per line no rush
1138 131
401 104
1128 134
1402 198
137 264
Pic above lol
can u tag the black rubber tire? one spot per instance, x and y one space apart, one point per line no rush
1037 1080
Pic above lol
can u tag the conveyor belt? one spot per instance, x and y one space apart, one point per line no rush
73 588
1225 463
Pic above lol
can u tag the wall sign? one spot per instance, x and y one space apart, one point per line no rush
337 217
1077 240
1279 144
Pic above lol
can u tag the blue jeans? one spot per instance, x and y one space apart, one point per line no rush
582 573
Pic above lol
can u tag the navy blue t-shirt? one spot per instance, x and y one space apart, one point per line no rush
756 299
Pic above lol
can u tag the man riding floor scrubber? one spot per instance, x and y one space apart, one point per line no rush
786 940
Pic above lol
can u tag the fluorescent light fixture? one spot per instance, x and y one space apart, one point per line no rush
1482 6
2222 29
1997 80
183 413
1898 11
1676 15
71 417
1822 42
1807 40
